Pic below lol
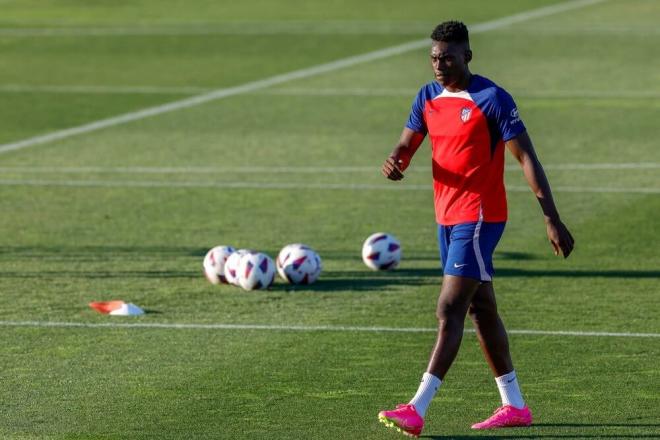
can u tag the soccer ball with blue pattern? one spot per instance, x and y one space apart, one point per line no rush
381 251
231 266
299 264
256 271
214 264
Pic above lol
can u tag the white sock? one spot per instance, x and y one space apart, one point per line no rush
509 390
427 389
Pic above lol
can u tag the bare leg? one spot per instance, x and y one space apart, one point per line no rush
495 346
490 330
455 298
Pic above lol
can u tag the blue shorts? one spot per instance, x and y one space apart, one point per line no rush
467 249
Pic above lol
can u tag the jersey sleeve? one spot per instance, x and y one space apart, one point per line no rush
416 120
507 117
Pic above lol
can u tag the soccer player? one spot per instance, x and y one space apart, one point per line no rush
469 120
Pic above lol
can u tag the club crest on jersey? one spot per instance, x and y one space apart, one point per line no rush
465 114
515 117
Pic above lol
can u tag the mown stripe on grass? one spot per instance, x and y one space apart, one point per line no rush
303 328
302 27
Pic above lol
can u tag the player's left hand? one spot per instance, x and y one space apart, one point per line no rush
560 237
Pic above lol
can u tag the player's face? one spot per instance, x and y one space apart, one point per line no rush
449 62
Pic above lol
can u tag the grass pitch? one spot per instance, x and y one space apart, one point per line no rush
128 212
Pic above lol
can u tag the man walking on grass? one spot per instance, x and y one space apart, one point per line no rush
469 120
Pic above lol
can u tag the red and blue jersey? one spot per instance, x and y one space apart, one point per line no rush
467 130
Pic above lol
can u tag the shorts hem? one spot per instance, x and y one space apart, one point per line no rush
471 275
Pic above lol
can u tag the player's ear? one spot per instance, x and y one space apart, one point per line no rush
468 56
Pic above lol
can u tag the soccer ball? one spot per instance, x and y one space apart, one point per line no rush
299 264
256 271
284 254
231 266
214 264
381 251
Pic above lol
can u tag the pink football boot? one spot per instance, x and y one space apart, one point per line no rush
404 419
506 416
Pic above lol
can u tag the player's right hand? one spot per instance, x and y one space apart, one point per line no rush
396 164
392 168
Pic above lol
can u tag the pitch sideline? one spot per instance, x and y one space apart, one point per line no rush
291 185
303 328
295 169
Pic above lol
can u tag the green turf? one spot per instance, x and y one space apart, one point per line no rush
587 86
319 385
283 13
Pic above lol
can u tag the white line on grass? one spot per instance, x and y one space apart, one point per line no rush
258 28
303 328
591 29
587 189
212 96
296 91
195 170
99 89
286 77
545 94
296 169
291 185
207 184
597 166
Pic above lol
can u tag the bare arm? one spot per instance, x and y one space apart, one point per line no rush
399 159
522 149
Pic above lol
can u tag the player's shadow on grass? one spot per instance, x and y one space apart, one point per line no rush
517 256
101 275
534 436
512 272
360 280
95 253
582 426
597 425
368 280
365 280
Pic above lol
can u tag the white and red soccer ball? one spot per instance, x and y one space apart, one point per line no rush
251 270
214 264
381 251
299 264
255 271
231 265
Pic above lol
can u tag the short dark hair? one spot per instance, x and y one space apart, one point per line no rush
451 32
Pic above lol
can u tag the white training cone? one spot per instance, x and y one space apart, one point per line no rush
117 308
128 309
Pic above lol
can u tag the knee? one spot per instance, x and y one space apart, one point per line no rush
482 310
448 311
